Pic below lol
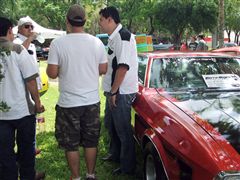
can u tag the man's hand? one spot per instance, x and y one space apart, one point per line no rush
33 36
40 108
113 100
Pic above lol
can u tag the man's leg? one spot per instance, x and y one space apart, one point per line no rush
108 122
123 127
26 147
8 164
90 132
90 158
73 159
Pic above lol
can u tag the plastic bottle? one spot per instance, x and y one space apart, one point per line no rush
40 38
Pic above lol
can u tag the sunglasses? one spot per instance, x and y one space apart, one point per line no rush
28 26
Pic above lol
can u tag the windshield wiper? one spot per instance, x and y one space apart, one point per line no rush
217 89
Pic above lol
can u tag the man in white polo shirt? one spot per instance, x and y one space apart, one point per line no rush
20 95
25 36
120 85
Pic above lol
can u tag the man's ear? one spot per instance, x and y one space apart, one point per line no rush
10 31
110 19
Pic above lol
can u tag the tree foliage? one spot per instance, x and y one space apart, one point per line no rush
179 15
232 18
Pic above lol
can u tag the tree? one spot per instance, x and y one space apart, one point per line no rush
232 18
221 23
178 16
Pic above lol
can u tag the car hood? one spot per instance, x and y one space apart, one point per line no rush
221 110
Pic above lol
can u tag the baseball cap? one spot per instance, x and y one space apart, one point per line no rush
76 15
24 20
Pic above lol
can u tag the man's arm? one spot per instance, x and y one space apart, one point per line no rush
119 77
32 88
52 71
29 40
103 68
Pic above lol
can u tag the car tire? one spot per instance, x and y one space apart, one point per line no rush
153 168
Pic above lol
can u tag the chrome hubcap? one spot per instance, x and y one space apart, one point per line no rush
150 168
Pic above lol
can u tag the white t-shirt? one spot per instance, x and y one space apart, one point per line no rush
78 56
122 51
19 40
16 68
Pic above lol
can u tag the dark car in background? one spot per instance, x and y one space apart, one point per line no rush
104 39
42 52
163 47
187 115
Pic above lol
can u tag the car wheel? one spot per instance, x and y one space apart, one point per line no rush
153 168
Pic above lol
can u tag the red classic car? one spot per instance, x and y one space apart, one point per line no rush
229 50
187 115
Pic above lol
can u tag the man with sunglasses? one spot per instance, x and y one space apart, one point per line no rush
25 37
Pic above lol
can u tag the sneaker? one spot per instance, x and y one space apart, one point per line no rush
39 176
91 178
37 151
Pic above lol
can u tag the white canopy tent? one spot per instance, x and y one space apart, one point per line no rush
44 32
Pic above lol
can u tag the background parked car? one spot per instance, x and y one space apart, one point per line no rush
42 52
229 50
187 115
229 44
166 47
103 38
44 80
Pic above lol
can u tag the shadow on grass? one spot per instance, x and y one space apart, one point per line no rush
52 160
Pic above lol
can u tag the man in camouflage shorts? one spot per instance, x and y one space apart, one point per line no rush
77 126
77 59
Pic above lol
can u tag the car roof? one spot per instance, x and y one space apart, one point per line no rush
159 54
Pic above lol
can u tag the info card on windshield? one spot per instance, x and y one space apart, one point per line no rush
221 80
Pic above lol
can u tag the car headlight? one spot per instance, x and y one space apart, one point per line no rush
232 175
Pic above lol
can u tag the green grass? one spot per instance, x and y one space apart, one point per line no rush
52 159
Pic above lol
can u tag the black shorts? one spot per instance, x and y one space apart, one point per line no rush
77 126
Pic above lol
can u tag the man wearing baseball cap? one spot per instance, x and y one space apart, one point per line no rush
77 59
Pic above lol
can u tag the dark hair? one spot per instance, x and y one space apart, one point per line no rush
5 24
112 12
201 36
79 22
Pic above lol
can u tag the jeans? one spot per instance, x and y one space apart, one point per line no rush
118 123
23 132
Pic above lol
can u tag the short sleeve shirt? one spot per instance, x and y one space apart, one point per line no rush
78 56
122 51
32 51
17 68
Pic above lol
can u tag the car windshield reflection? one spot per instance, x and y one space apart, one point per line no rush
196 74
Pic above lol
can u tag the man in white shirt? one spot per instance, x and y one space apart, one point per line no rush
25 36
77 59
120 85
19 93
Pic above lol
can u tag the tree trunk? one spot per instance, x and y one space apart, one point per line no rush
151 25
221 23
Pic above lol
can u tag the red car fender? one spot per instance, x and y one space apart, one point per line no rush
168 165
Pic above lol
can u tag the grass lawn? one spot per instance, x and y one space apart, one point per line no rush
52 159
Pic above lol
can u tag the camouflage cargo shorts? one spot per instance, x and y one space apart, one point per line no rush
77 126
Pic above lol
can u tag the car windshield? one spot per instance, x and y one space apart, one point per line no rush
195 73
